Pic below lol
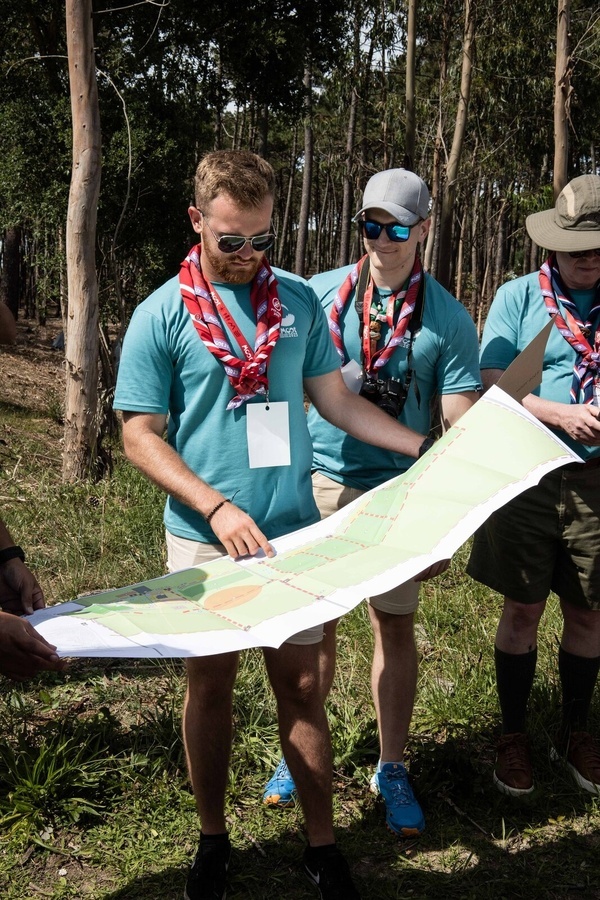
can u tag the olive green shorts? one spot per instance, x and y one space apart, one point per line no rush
546 539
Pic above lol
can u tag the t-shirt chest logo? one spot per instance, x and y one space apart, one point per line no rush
288 329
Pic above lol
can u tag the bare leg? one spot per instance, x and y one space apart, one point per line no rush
393 679
581 631
304 733
327 658
207 733
518 625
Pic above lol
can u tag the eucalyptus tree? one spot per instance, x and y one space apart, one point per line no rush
562 95
79 451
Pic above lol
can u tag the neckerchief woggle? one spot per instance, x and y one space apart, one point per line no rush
248 376
574 330
408 298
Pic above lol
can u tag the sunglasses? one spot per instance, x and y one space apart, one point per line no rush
233 243
395 232
579 254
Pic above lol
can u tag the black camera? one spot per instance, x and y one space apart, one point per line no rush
389 394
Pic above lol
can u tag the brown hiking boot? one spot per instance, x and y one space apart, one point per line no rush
583 760
513 774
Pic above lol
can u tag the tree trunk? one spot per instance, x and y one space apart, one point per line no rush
432 245
285 239
475 261
445 253
384 94
348 193
10 286
562 97
460 261
79 453
263 131
300 262
411 122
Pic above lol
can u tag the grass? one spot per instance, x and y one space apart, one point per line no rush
94 798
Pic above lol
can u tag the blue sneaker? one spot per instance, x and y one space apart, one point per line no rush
403 813
280 790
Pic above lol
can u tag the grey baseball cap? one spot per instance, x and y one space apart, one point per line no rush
401 193
574 222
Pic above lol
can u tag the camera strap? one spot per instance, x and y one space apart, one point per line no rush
415 322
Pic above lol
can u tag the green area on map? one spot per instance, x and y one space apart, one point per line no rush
405 519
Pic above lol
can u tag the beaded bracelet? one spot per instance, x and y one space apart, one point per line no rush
216 509
11 553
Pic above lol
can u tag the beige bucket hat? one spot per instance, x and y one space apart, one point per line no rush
574 223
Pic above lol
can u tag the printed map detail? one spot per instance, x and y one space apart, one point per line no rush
388 536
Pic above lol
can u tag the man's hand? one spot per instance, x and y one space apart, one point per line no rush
578 420
581 423
19 589
434 570
239 534
24 652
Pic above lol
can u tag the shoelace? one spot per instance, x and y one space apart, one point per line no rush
399 787
516 754
585 743
282 771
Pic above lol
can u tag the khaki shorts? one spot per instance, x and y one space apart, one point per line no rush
330 496
546 539
183 554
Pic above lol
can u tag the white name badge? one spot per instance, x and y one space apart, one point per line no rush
268 433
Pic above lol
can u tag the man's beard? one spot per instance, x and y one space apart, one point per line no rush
227 272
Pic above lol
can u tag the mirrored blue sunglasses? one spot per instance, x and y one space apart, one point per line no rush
395 232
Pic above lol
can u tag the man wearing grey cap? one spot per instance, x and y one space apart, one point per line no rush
548 538
402 339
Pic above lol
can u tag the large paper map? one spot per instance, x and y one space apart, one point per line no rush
388 536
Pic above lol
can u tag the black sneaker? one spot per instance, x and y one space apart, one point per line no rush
208 876
328 869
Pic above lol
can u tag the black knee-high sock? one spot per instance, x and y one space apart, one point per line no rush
514 679
578 676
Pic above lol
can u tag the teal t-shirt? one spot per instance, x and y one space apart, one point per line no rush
517 314
165 368
445 360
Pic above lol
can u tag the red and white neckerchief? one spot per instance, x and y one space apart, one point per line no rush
574 330
248 376
408 298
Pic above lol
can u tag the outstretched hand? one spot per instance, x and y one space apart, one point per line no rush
24 652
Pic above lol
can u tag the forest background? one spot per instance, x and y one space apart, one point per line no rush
328 92
94 798
494 104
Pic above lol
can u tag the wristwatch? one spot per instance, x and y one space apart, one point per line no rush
427 443
11 553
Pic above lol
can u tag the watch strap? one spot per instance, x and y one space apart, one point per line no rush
11 553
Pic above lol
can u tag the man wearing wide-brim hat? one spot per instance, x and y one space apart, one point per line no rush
548 538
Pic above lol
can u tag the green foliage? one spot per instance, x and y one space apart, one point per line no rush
57 781
176 80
